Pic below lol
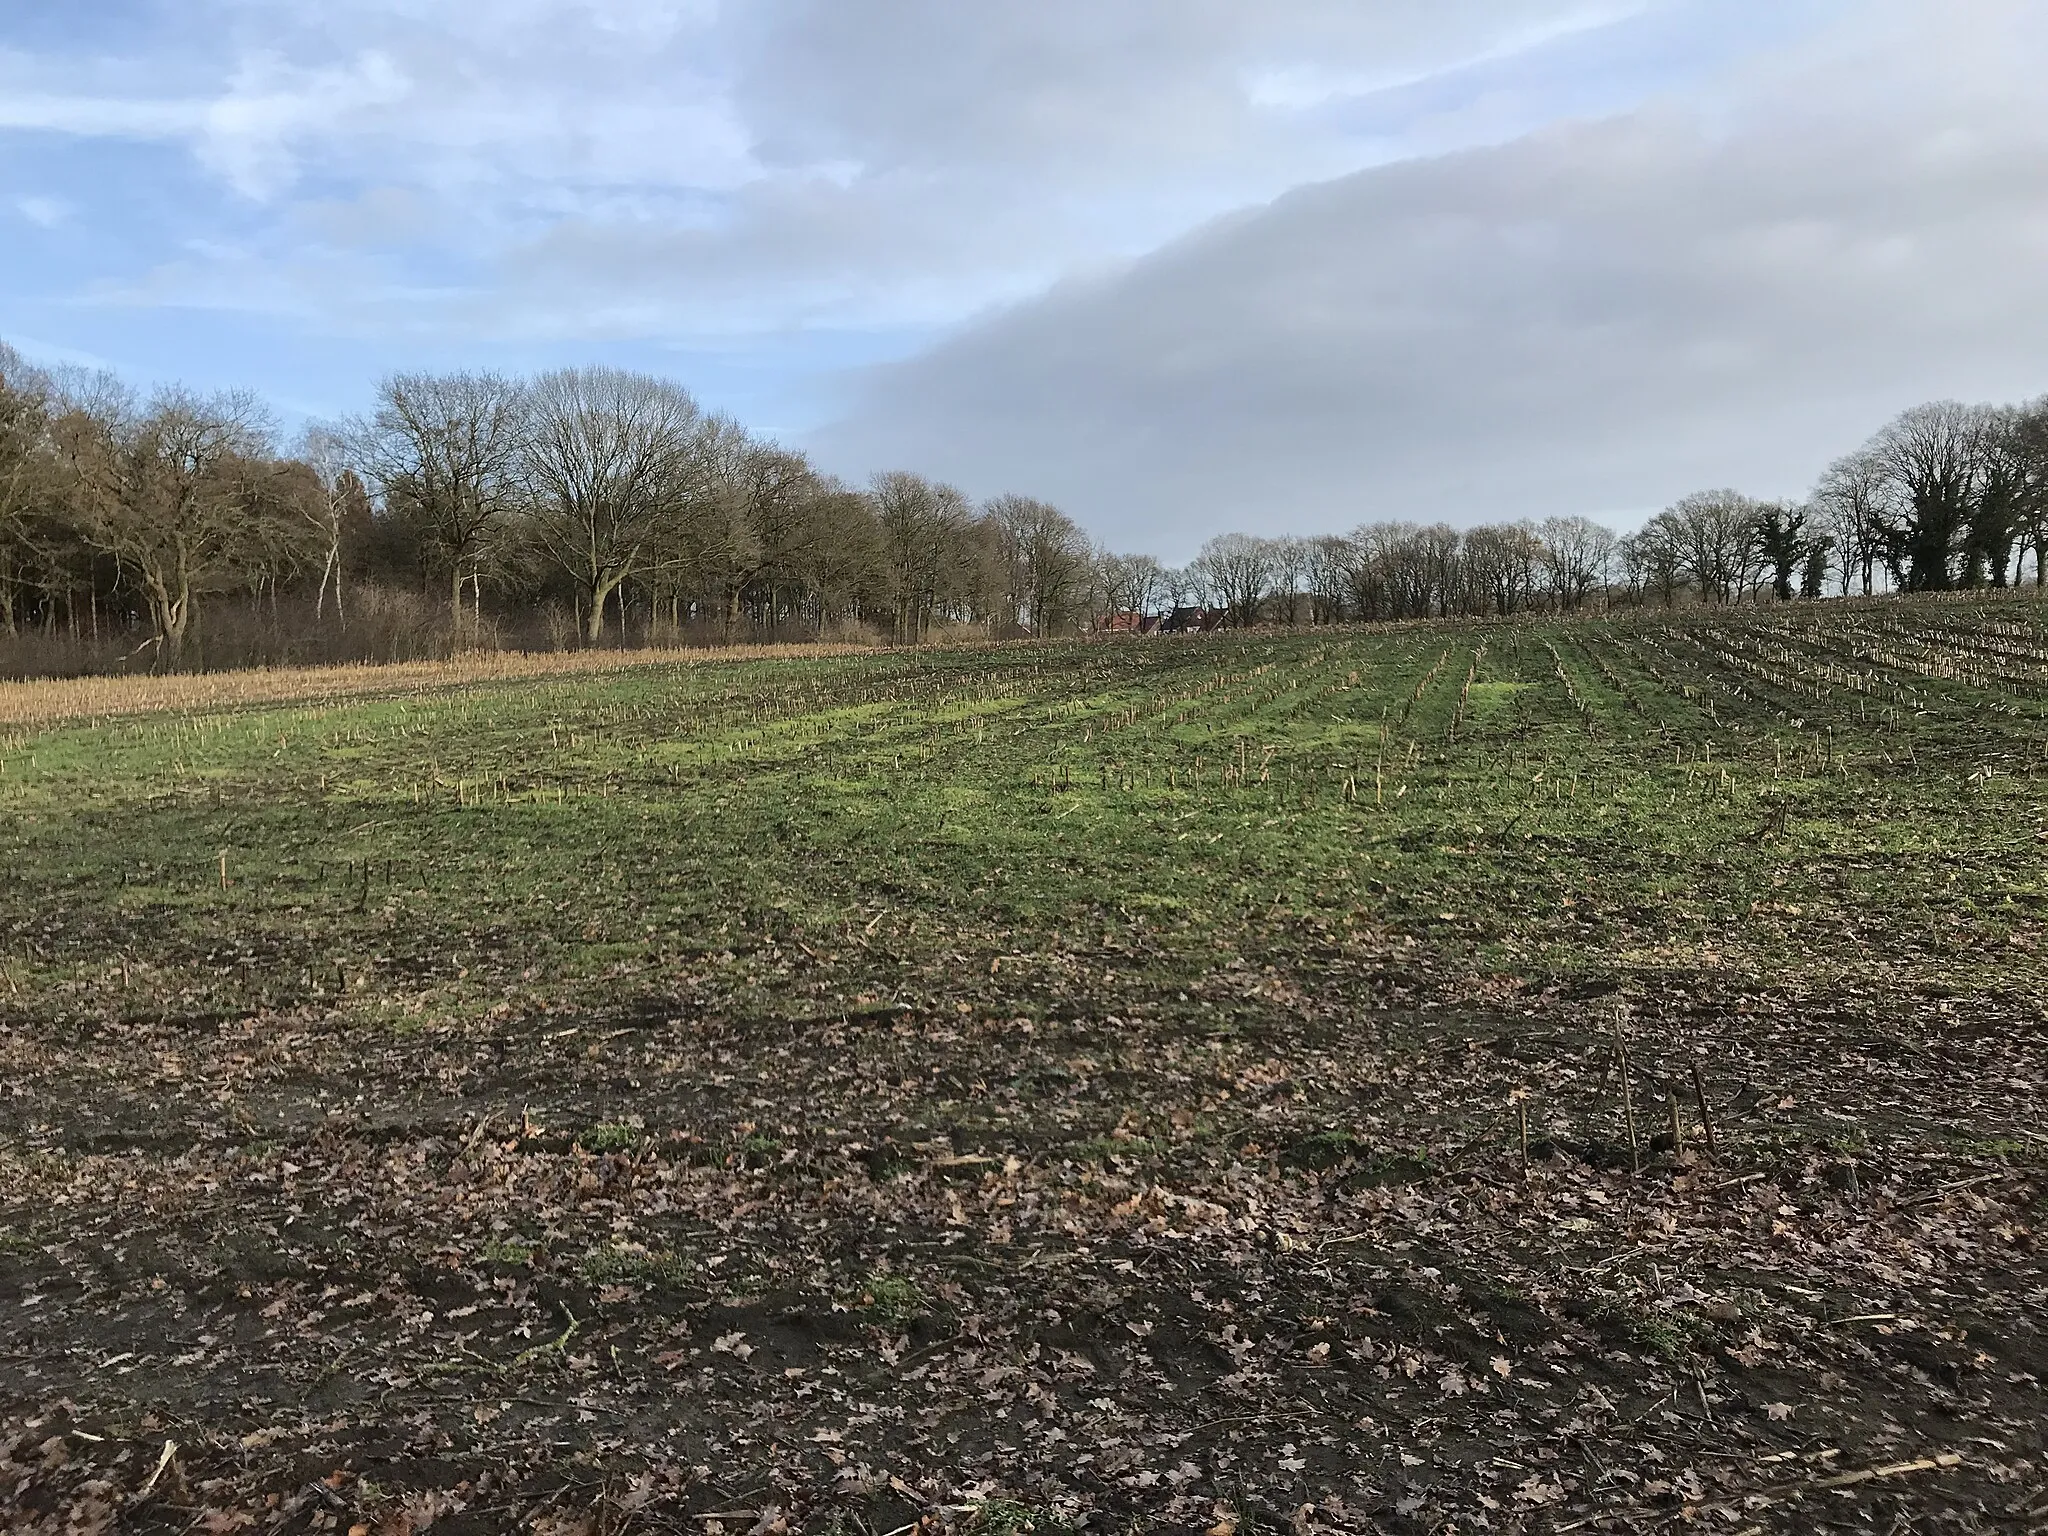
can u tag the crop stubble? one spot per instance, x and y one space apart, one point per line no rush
1027 1084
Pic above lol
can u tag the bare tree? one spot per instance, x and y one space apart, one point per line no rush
772 528
1655 558
846 562
1499 566
1578 553
1238 569
444 451
608 460
1046 556
1438 550
340 512
1131 583
1933 457
923 527
1182 586
184 495
1290 575
1369 585
1330 558
2030 442
1714 534
26 479
785 506
1852 501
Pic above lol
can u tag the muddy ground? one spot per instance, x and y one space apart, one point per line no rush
1264 1257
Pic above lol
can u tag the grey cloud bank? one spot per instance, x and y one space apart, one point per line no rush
1728 287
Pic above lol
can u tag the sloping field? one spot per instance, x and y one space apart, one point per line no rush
1545 1076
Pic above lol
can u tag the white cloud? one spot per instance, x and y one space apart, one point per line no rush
45 212
250 133
1309 83
98 116
698 168
1594 318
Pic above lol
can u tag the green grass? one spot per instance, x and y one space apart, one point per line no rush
1007 1517
1780 793
892 1299
617 1264
609 1137
1134 1150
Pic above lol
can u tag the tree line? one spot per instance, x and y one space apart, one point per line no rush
582 506
1944 496
596 505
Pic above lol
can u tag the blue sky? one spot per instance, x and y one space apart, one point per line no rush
816 213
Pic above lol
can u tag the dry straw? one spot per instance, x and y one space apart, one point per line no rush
53 700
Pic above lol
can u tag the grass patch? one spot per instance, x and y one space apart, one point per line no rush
1008 1517
614 1136
1135 1150
622 1264
892 1299
1320 1150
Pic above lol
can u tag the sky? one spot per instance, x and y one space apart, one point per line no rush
1180 266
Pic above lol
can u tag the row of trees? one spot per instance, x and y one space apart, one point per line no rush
1945 496
1398 571
591 502
599 498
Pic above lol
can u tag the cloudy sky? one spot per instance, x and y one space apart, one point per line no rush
1180 265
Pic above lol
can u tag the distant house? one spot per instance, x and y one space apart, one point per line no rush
1129 622
1192 620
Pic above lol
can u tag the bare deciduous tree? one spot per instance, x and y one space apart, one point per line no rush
1290 576
444 452
1329 564
2030 442
1714 536
922 525
1046 559
339 513
184 495
1238 571
1498 567
608 461
1577 556
1130 584
1851 501
1654 560
1932 456
26 481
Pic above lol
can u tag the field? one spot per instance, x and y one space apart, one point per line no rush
1533 1076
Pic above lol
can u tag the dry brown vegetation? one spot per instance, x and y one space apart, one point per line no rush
51 701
